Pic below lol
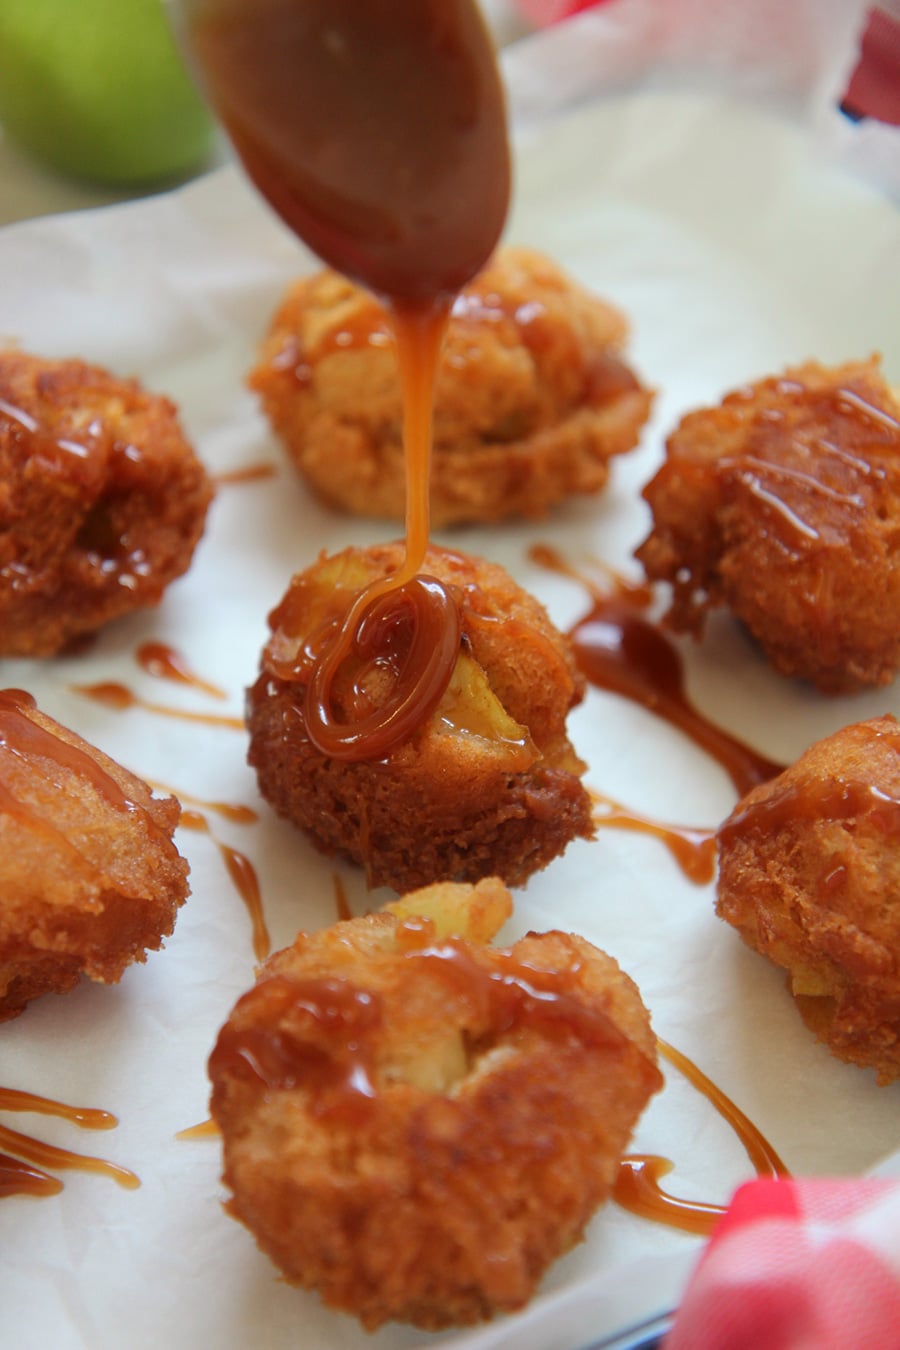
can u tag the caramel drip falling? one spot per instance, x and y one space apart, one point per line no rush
421 603
407 194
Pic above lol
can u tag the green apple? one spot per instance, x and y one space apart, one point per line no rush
99 90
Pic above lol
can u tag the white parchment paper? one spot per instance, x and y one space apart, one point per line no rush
736 242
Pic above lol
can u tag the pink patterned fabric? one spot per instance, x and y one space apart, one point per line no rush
543 13
874 87
798 1265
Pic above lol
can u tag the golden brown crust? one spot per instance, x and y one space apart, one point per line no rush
89 875
102 501
533 397
783 503
481 1141
489 784
809 874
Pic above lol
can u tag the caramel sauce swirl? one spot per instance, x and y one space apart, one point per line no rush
424 616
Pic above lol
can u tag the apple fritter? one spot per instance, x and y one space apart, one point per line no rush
487 784
783 504
90 879
102 501
533 397
809 875
416 1125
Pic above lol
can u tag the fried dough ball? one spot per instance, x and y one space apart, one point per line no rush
102 501
416 1125
783 504
809 875
89 876
487 785
533 396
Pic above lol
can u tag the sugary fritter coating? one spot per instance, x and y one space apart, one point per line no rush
783 504
489 783
533 395
102 501
417 1126
809 874
90 879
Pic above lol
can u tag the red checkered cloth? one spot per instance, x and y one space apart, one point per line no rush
798 1265
874 88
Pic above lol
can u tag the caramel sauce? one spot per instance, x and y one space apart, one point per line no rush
250 473
816 467
20 1178
694 850
34 1151
510 993
319 1034
56 454
206 1129
236 812
114 695
637 1187
832 799
272 1034
621 651
75 463
38 747
604 376
19 1175
165 663
246 882
407 192
341 903
86 1118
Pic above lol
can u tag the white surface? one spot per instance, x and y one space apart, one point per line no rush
734 251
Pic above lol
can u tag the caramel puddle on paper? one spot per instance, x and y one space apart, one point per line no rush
619 650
